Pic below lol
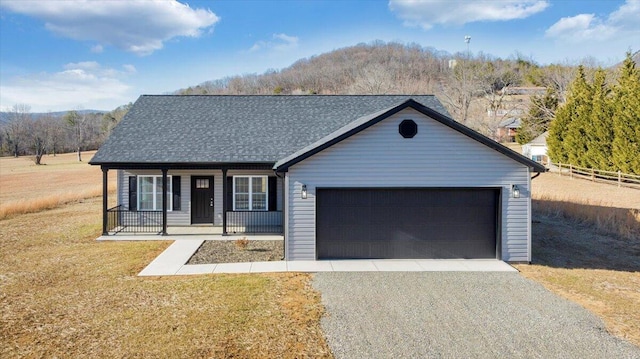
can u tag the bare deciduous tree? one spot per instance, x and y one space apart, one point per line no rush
38 137
76 122
17 128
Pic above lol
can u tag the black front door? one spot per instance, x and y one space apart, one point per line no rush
201 199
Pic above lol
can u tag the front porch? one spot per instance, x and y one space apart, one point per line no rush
194 200
123 221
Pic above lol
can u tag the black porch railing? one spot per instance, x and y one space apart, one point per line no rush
122 220
261 222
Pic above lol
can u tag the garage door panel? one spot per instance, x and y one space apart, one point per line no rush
406 223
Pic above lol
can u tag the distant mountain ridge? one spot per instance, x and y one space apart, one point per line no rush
6 116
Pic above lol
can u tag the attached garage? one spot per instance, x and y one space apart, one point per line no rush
407 183
402 223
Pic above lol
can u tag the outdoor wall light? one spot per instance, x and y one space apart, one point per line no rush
303 194
515 191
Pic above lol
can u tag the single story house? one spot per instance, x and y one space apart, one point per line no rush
537 149
378 176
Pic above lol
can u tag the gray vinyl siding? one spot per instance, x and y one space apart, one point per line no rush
120 188
437 156
183 217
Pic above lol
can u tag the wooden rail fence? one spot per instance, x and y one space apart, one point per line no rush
596 175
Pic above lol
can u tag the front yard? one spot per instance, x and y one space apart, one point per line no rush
63 294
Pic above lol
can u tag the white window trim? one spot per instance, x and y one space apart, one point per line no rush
266 200
156 179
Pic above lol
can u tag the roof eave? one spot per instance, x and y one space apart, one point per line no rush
184 165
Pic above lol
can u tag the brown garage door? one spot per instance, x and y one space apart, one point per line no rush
406 223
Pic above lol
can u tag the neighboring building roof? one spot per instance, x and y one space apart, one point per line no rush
540 140
524 90
511 122
370 120
234 129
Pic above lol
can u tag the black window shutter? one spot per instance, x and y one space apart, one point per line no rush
175 189
133 193
229 193
273 193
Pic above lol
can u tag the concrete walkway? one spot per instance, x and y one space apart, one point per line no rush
172 262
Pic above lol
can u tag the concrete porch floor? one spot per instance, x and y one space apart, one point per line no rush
172 262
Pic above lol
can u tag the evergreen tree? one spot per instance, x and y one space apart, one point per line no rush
557 130
626 119
559 141
599 134
541 112
575 141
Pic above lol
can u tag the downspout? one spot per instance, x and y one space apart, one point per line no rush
536 175
284 245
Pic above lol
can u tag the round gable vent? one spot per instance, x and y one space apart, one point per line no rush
408 128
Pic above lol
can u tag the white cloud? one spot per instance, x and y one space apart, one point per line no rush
278 42
83 84
620 24
580 27
627 15
427 13
129 69
97 49
137 26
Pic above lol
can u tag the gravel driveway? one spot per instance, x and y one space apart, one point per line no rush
457 315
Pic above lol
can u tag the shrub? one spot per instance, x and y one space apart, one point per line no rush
242 243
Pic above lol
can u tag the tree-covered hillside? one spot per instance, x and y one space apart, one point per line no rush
470 86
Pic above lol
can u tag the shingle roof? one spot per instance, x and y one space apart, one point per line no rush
511 122
540 140
235 129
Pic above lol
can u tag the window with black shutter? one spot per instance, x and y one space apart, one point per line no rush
145 193
251 193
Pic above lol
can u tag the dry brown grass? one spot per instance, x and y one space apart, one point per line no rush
607 208
62 294
27 188
581 190
586 248
623 222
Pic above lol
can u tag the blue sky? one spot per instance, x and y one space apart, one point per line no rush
60 55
